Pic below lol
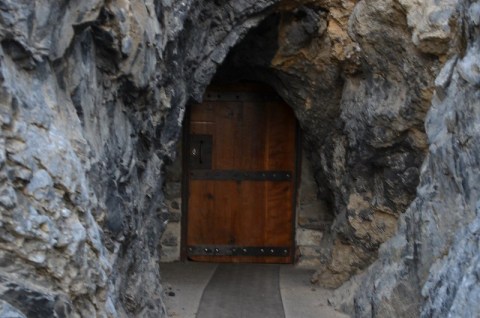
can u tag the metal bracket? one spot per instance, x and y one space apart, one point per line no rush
200 156
229 250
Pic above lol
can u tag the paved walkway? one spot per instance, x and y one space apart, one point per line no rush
184 284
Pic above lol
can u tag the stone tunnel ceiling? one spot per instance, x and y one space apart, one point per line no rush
93 95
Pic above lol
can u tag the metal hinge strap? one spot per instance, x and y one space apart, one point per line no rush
228 250
239 175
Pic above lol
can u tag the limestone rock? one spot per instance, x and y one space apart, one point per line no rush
360 89
438 253
8 311
91 105
434 23
92 98
22 301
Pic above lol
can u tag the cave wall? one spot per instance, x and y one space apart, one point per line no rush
430 269
360 88
92 101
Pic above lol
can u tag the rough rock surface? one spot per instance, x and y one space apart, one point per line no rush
92 99
360 88
91 105
431 267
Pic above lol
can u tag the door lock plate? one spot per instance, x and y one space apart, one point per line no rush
200 153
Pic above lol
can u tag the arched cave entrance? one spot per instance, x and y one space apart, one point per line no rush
361 159
250 62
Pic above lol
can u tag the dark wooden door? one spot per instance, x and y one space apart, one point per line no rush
241 178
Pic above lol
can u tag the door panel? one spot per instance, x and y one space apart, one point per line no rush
240 202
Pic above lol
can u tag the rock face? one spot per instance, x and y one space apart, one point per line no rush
92 99
432 265
360 89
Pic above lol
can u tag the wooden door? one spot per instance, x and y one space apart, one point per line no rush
241 178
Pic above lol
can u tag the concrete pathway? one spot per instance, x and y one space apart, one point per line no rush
184 284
